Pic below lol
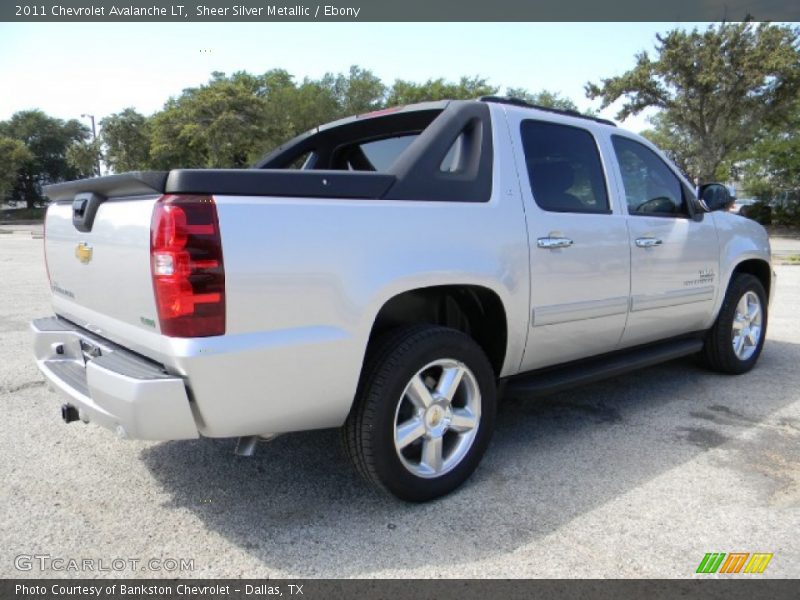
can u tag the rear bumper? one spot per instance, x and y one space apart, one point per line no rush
111 386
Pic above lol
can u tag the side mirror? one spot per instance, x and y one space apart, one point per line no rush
714 196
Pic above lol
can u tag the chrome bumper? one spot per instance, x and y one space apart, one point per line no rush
111 386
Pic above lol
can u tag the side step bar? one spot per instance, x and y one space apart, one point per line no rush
556 379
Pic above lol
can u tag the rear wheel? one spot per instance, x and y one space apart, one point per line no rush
424 413
734 343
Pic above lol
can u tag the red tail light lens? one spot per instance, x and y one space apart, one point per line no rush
187 267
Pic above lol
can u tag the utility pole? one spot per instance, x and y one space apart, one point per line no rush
94 139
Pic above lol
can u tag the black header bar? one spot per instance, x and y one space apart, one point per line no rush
397 10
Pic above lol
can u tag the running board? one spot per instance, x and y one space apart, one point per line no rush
555 379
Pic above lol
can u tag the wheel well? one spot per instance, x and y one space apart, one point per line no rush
474 310
757 268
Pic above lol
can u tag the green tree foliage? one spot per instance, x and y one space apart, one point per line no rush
407 92
717 89
126 139
228 122
13 155
212 125
47 140
770 168
233 120
358 92
544 98
680 148
83 156
774 158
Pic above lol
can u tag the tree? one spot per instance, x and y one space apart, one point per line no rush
358 92
13 155
126 139
312 103
217 125
717 89
83 157
292 109
770 170
47 140
543 98
467 88
774 158
682 149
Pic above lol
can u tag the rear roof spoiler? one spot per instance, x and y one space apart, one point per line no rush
248 182
135 183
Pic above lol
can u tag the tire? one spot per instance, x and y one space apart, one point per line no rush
402 414
723 351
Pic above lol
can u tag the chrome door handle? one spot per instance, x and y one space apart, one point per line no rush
551 243
648 242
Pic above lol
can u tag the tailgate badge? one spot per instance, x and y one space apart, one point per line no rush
83 252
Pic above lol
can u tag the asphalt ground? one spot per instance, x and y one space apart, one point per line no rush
639 476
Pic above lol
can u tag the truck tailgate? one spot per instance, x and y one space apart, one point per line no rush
101 278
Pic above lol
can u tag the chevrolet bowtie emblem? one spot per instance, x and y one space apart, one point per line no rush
83 252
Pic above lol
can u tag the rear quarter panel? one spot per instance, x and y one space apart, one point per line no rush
306 278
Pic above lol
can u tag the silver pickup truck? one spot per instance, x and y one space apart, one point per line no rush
392 274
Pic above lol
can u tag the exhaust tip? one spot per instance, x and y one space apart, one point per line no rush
69 413
246 445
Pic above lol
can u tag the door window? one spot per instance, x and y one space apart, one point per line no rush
564 168
651 188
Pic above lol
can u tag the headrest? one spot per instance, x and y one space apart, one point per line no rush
553 176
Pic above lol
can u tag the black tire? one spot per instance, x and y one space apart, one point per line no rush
369 432
718 352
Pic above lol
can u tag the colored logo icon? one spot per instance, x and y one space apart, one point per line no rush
734 562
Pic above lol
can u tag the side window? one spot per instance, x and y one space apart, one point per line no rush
651 188
564 168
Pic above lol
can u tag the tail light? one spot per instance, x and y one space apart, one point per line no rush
187 267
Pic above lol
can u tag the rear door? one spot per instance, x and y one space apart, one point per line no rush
579 257
674 252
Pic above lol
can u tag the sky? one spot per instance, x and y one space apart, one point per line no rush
101 68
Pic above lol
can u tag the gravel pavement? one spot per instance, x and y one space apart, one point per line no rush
638 476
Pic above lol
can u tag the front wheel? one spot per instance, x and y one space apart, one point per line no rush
734 343
424 413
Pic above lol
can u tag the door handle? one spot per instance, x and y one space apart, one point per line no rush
551 243
648 242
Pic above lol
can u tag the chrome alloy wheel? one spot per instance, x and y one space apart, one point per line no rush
437 418
747 326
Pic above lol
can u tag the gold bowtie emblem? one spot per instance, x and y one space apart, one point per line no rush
83 252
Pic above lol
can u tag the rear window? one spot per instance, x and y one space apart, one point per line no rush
382 153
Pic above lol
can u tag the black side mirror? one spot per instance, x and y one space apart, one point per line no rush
714 196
